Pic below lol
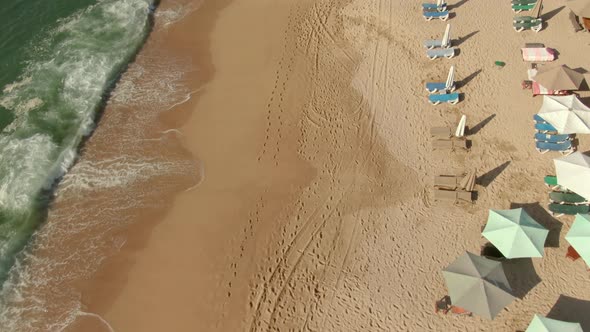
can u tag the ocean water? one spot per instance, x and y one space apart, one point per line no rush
65 200
58 60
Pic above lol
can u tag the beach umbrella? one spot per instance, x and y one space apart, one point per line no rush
566 113
536 11
544 324
579 7
478 284
579 236
559 78
573 172
515 233
446 40
450 78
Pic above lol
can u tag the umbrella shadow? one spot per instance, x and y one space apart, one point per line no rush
540 215
585 100
462 39
521 276
570 309
457 4
549 15
468 79
475 129
486 179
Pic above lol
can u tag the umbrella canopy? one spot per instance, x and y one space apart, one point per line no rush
559 78
566 113
450 78
478 284
579 236
446 39
515 233
544 324
573 172
579 7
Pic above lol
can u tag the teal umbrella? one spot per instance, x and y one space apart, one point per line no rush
544 324
515 233
478 284
579 236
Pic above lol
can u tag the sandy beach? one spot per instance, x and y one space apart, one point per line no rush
315 209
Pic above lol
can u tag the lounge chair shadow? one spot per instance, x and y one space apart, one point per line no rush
462 39
521 276
537 212
570 309
452 15
486 179
475 129
549 15
457 4
468 79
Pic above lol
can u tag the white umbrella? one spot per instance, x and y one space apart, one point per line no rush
573 172
446 40
450 79
460 131
566 113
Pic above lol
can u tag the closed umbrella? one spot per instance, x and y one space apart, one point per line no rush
544 324
579 236
579 7
559 78
478 284
566 113
536 11
515 233
573 172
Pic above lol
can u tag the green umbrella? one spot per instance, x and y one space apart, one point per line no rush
478 284
515 233
579 236
544 324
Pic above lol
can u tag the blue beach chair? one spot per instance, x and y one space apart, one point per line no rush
564 148
440 6
433 87
441 52
436 99
540 137
429 15
539 119
545 128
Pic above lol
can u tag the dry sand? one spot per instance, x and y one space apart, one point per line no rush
316 209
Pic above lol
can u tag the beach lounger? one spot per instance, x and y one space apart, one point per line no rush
538 54
444 42
436 99
535 25
517 8
564 148
433 87
545 128
439 5
567 198
540 137
441 52
441 132
551 182
455 196
538 118
523 2
450 144
572 254
559 210
441 15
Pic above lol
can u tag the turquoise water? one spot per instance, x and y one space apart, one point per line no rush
58 61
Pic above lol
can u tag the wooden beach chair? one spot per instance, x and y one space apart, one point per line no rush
451 144
455 196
